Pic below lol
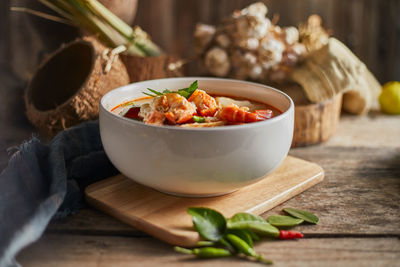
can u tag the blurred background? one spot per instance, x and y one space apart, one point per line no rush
370 28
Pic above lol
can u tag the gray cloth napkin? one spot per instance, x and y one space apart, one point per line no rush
46 181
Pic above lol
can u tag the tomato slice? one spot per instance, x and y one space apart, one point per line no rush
133 113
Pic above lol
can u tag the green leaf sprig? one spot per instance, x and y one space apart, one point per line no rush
236 236
185 92
302 214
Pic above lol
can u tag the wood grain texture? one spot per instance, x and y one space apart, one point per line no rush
373 130
87 250
359 195
165 216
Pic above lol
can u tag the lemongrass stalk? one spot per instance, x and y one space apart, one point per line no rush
118 24
135 36
91 22
57 9
106 30
42 15
142 40
111 30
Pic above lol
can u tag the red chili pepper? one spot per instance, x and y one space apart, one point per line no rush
289 234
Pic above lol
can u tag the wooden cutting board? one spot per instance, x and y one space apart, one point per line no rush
164 216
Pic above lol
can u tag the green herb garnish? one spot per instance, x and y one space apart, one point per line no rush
213 227
252 222
235 236
185 92
199 119
284 221
302 214
210 224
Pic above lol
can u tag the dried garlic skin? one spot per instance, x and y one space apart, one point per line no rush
258 9
203 36
223 40
251 27
270 52
291 35
217 62
312 34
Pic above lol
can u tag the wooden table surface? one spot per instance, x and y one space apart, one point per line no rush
358 204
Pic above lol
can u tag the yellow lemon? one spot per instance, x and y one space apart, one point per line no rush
389 99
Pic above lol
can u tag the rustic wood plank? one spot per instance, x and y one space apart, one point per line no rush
360 193
358 196
77 250
373 130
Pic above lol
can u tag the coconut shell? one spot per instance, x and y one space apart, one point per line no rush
148 68
68 85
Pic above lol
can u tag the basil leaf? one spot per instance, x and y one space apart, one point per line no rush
284 221
199 119
252 222
187 92
210 224
302 214
243 234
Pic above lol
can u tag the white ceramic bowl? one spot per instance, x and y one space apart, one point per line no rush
197 161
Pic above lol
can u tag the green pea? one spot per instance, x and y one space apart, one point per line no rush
241 245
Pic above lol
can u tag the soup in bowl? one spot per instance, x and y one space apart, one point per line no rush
196 136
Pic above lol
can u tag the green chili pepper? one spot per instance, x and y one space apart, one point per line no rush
206 252
183 250
241 245
210 252
198 119
203 243
228 245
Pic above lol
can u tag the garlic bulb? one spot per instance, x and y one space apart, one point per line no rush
270 52
291 35
257 9
248 46
217 62
223 40
203 36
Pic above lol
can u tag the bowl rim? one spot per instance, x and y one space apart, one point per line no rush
282 116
